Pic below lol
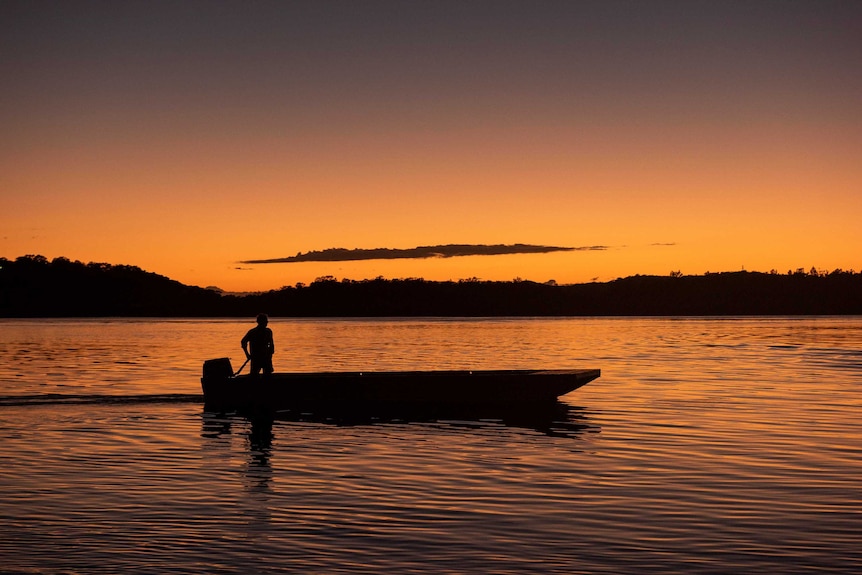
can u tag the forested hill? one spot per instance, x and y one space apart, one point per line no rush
32 286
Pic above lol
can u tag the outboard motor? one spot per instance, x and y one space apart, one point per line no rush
218 368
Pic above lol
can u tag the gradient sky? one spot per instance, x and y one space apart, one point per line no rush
184 137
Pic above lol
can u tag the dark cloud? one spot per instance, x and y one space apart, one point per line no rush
447 251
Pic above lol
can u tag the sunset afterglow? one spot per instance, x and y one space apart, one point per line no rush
185 138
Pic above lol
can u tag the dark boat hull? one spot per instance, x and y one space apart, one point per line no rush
349 390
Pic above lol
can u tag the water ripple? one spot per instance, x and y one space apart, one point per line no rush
708 446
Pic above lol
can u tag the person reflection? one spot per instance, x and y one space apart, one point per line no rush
259 346
258 471
260 439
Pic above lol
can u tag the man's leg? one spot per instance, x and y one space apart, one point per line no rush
267 366
255 367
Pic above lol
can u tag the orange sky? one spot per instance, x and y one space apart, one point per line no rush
186 137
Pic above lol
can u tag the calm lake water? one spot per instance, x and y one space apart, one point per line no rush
707 446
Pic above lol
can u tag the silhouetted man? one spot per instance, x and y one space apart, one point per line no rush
259 347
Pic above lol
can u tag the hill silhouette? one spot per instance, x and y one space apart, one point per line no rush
32 286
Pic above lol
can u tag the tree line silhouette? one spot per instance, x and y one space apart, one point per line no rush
32 286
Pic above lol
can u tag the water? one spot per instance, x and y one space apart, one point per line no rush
707 446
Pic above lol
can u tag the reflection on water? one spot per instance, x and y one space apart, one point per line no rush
259 429
559 419
708 446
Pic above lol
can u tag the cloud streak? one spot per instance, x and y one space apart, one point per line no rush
421 252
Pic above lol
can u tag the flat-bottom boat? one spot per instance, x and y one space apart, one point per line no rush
393 390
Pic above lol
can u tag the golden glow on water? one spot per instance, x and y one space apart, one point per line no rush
730 444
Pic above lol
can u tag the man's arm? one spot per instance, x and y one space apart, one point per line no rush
244 343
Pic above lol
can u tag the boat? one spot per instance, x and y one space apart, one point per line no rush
512 389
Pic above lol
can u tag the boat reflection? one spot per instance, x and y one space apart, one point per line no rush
554 420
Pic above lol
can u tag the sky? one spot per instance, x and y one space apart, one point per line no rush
188 137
